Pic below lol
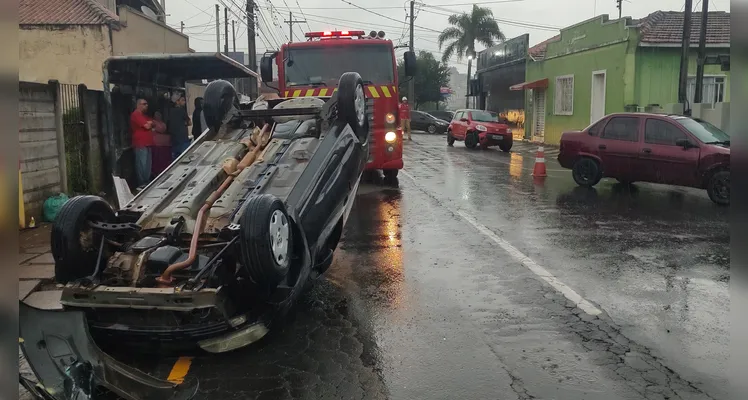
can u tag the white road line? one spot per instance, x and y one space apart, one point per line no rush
538 270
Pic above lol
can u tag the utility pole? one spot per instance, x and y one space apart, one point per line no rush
252 56
233 34
699 89
181 27
618 6
163 7
226 30
411 82
683 77
290 23
218 29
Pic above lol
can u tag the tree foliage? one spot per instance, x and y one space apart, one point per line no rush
431 75
478 26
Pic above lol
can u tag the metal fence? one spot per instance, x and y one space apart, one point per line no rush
76 137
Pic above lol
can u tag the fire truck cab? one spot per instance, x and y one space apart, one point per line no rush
313 68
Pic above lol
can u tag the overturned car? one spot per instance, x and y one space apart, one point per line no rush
223 242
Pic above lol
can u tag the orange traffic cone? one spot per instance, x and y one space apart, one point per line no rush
539 170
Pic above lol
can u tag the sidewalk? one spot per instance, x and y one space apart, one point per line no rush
37 269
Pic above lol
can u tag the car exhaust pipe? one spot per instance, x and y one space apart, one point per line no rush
255 145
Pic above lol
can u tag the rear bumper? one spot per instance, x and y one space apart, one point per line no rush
69 365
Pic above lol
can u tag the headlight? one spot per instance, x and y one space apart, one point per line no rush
390 118
390 137
481 128
508 130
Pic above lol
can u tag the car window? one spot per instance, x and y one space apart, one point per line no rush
622 128
657 131
704 131
595 129
484 116
458 115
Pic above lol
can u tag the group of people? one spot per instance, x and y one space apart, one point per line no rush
158 140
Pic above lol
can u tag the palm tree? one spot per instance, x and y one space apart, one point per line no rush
478 26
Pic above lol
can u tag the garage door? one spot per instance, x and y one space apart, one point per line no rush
538 114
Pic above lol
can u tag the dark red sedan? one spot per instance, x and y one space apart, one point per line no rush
668 149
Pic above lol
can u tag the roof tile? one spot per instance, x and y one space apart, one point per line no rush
64 12
663 27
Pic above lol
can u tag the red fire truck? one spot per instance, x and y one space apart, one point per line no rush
313 67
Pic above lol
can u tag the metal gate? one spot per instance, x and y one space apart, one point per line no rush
76 137
538 132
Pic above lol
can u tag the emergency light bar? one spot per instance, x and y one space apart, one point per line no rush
334 34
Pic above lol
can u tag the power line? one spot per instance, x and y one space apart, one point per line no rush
418 3
521 24
384 16
302 14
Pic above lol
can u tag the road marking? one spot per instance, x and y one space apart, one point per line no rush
180 370
538 270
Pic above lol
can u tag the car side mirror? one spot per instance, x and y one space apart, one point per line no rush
409 60
685 143
266 68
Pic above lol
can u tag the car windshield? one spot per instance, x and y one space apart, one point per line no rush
704 131
484 116
323 65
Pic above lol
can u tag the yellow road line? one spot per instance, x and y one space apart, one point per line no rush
180 370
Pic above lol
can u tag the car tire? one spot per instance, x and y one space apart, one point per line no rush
219 98
586 172
450 139
471 140
75 245
266 240
352 101
718 187
505 147
431 129
390 173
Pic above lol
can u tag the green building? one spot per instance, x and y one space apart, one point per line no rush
602 66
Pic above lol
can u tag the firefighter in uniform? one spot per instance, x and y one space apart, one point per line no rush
404 109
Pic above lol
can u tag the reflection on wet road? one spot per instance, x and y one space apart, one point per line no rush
420 304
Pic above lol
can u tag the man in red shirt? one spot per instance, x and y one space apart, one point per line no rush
404 109
142 139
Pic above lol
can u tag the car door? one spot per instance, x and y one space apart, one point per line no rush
458 126
662 159
618 147
417 121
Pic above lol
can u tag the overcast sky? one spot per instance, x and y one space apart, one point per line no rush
539 18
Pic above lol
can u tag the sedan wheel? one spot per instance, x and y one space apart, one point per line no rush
586 172
431 129
450 139
718 188
471 140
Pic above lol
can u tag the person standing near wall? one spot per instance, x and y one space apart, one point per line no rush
142 141
197 127
178 123
404 109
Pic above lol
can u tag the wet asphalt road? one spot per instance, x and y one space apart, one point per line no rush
423 303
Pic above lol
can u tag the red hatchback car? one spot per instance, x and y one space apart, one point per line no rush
478 127
668 149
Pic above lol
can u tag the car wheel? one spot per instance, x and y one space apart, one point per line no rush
505 147
586 172
266 240
75 245
718 187
471 140
218 100
431 129
352 101
390 173
450 139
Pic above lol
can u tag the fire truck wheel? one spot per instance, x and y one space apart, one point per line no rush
75 244
266 240
218 99
390 173
352 101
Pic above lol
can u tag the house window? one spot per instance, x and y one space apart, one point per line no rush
713 89
564 98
